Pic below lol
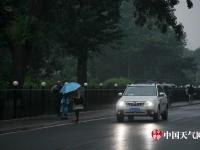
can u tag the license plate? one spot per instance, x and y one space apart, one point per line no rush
134 110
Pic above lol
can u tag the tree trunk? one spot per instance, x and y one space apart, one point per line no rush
82 67
21 54
35 8
19 63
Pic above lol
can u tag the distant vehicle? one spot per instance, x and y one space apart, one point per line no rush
142 100
171 85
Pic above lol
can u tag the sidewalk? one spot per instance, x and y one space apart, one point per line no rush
21 124
14 125
181 104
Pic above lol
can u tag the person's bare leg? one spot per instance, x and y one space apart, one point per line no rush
77 115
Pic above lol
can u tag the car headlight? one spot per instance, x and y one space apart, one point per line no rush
149 103
121 104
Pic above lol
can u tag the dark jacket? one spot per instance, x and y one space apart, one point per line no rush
190 90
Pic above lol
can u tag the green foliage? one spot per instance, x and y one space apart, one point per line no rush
147 10
21 29
196 55
5 63
120 81
31 82
84 25
144 55
4 84
51 31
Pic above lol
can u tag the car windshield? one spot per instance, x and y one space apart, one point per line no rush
140 91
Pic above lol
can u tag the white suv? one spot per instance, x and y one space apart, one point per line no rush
142 100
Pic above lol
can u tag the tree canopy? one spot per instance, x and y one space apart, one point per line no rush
47 39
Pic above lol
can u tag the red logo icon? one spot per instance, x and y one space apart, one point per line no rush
157 134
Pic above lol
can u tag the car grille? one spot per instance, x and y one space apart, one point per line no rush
135 103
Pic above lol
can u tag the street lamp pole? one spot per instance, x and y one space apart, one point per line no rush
30 102
86 95
115 89
43 85
15 85
100 92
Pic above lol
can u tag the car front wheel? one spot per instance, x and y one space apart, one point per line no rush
165 114
120 118
130 118
156 116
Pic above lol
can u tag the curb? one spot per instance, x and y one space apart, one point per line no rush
21 129
185 105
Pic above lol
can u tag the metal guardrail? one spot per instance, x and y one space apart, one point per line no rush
16 103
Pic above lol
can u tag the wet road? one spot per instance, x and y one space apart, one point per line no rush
106 134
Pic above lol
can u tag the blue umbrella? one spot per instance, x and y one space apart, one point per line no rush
70 87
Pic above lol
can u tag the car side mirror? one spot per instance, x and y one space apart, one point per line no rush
120 94
161 94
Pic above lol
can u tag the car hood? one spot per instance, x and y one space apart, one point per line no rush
138 98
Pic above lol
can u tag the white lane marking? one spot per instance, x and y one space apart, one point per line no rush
100 110
176 119
57 125
97 119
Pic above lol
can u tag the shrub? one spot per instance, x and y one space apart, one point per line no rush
120 81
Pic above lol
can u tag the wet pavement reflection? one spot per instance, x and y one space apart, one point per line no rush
134 135
149 143
121 136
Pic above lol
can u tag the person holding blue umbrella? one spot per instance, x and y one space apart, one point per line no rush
70 87
67 92
64 107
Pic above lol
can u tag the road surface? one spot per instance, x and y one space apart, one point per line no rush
104 133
